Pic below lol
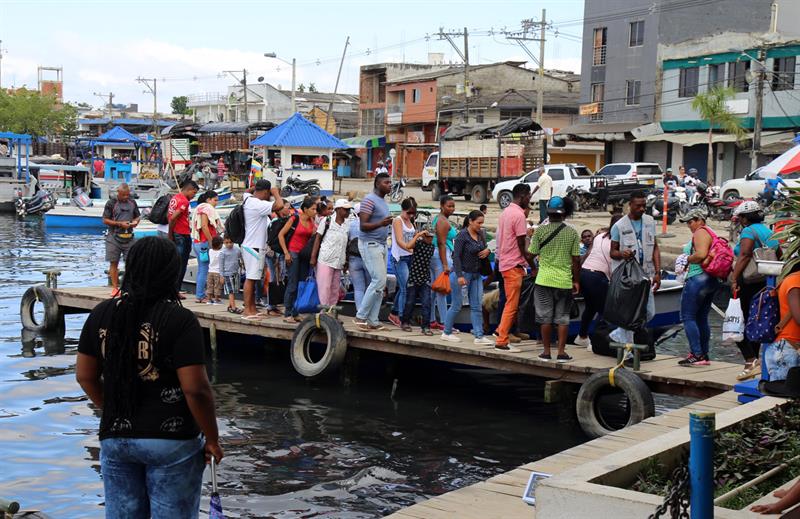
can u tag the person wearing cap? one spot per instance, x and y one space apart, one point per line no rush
330 252
698 290
689 181
754 235
670 180
558 247
633 237
258 204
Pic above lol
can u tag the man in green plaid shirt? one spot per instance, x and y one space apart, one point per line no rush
558 247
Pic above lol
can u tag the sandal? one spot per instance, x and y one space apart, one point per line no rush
274 313
291 320
751 369
427 331
406 327
233 310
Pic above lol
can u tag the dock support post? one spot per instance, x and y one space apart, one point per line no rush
212 339
701 464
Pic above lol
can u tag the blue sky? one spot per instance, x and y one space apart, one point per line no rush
104 45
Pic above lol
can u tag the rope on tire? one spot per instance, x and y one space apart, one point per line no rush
317 316
628 348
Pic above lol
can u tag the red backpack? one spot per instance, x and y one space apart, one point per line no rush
721 257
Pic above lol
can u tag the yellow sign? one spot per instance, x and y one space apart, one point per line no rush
589 109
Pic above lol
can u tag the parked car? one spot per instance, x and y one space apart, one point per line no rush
563 175
752 184
645 172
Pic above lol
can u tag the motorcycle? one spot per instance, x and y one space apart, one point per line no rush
308 187
712 205
654 206
396 194
39 203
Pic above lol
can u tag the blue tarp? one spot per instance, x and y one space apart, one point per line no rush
118 134
298 132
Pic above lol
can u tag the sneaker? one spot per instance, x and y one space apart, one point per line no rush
507 348
562 358
395 320
523 336
449 337
436 326
483 340
514 338
584 342
545 356
691 360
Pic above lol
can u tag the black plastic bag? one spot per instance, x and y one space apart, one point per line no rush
601 342
626 301
526 315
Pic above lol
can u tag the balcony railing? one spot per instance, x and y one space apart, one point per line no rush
597 116
206 99
599 57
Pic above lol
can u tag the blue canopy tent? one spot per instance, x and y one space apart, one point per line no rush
116 138
305 151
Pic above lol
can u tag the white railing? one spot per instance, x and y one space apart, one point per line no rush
208 98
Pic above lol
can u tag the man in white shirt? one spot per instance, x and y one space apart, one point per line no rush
544 186
258 205
381 168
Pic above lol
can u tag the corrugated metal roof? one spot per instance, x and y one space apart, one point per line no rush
126 121
299 132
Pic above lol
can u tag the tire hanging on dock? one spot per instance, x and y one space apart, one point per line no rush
640 400
335 348
53 317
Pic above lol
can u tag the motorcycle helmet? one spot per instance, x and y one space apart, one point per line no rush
747 207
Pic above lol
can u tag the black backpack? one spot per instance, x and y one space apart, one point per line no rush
158 214
275 228
234 224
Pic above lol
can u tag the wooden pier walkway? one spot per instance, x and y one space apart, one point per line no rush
663 375
500 497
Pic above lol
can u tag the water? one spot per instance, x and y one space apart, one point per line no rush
293 449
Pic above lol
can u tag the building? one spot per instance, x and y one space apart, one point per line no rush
267 103
625 86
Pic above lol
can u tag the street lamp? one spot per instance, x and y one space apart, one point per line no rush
294 68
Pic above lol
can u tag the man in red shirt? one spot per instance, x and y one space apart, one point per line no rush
512 229
179 231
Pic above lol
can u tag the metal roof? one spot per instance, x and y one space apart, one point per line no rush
234 127
366 141
298 132
126 121
596 131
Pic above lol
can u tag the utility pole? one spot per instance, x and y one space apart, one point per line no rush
153 90
329 115
110 99
242 82
758 123
540 86
464 57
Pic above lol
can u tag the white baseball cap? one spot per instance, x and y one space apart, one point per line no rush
342 203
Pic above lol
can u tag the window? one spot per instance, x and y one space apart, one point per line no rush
581 171
432 161
648 169
416 95
633 89
533 176
259 115
614 170
688 83
599 46
598 94
479 118
556 173
716 75
505 115
636 34
783 73
737 75
372 122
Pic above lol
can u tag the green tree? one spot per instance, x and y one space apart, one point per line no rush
712 108
301 87
312 87
180 105
27 111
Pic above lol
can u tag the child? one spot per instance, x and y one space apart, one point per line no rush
214 281
419 283
229 267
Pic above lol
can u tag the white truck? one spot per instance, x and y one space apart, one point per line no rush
471 166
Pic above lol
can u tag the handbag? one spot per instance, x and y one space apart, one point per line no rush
751 274
307 300
486 267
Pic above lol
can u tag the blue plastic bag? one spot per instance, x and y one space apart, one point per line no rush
307 296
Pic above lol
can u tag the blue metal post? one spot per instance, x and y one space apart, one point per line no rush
701 464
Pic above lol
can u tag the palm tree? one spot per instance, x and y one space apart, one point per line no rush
711 107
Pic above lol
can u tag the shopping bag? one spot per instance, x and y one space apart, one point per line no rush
628 296
307 296
442 284
733 325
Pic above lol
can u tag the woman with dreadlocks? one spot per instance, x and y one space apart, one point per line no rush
141 361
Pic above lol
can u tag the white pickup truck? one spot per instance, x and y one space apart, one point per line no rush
564 176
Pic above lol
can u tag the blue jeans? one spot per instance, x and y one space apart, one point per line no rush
423 294
698 294
150 477
297 270
475 294
373 254
202 269
401 274
183 242
359 277
440 300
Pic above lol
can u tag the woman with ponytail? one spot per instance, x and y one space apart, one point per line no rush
141 362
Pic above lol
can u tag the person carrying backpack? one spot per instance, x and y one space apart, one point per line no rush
703 276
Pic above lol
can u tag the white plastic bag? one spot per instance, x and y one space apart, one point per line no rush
733 325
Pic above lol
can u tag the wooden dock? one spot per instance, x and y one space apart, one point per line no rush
500 497
663 374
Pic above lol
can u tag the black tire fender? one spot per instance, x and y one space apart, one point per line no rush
335 351
637 392
53 318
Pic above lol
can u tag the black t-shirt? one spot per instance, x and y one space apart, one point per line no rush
121 212
161 410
